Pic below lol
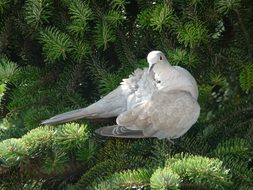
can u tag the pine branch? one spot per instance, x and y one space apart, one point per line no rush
80 14
71 136
12 152
56 162
108 166
161 17
246 77
226 6
41 141
8 70
183 57
104 35
192 34
37 12
56 44
118 4
80 51
127 179
115 18
165 179
2 90
212 39
234 148
201 170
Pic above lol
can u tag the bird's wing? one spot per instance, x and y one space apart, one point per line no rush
166 115
109 106
146 85
119 131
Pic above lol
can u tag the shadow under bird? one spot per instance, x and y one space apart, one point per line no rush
158 101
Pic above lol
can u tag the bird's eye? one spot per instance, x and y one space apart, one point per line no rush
161 58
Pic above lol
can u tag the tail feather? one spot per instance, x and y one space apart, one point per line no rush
119 131
66 117
109 106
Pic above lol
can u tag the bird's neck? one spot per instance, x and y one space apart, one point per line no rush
162 68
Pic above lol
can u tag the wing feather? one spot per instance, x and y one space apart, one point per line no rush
119 131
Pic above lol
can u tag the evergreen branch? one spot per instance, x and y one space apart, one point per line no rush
115 18
38 140
56 44
44 140
226 6
192 144
12 152
8 129
32 185
108 167
109 82
2 91
205 91
55 162
236 154
165 179
234 148
118 4
144 17
87 152
241 173
80 12
23 182
161 17
104 35
33 116
123 32
246 77
80 50
8 70
80 15
192 34
182 57
161 151
126 179
202 170
235 114
27 76
71 136
37 12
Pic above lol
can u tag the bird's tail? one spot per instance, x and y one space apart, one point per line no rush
68 116
119 131
109 106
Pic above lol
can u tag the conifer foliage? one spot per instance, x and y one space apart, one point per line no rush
61 55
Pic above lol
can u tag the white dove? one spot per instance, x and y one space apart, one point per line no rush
159 101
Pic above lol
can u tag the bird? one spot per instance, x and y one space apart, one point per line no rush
158 101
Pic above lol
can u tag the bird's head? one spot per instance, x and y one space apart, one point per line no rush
155 57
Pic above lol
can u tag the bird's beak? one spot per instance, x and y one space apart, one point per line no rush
151 67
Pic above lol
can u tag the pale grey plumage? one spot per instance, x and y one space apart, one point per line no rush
132 90
160 101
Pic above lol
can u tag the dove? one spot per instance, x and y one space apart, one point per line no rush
158 101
